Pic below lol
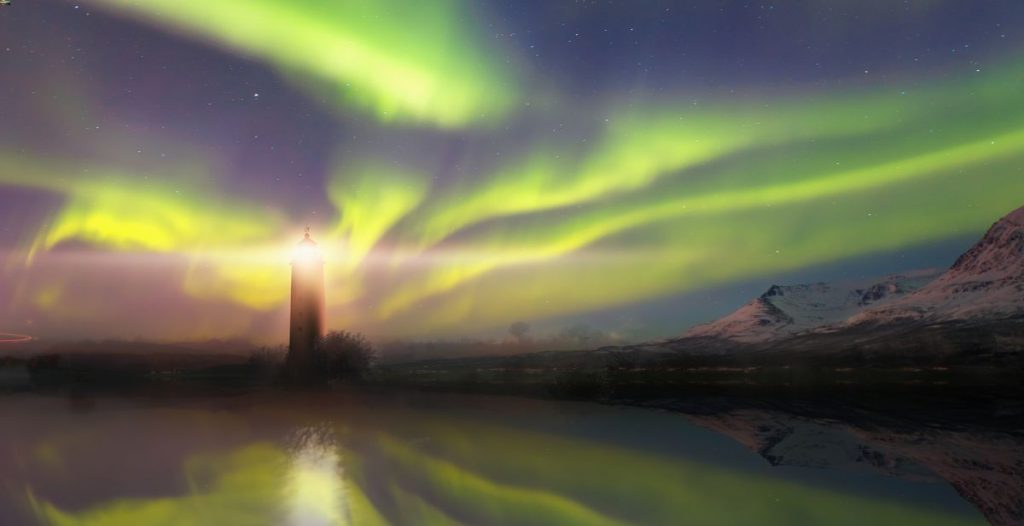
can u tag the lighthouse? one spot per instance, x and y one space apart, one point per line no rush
307 307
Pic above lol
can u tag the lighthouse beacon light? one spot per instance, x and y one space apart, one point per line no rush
306 250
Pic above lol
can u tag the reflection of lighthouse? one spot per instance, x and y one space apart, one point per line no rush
307 317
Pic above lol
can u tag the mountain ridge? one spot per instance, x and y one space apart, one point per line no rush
985 283
790 310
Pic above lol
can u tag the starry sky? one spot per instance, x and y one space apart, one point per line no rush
638 166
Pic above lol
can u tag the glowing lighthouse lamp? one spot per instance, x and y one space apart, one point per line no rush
307 304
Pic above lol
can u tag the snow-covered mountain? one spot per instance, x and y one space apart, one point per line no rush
788 310
986 282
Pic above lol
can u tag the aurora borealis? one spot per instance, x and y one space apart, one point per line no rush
467 165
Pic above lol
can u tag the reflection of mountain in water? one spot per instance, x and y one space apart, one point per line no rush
984 464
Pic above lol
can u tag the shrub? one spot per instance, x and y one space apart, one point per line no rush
343 355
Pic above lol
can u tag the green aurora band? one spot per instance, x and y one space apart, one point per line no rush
432 68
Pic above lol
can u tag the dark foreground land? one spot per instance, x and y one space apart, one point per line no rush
981 357
614 375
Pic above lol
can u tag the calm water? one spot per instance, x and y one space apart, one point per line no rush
438 459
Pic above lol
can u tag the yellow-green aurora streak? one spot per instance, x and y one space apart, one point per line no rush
126 211
418 62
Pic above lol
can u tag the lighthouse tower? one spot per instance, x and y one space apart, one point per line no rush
307 314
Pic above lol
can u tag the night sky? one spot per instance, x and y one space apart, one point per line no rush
638 166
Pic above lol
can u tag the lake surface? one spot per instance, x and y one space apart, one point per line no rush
423 459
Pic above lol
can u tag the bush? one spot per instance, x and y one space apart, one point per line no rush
343 355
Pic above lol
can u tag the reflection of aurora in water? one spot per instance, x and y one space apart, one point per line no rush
314 490
381 462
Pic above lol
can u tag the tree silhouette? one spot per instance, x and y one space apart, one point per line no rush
344 355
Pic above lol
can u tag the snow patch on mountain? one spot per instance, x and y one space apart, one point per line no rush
787 310
986 282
